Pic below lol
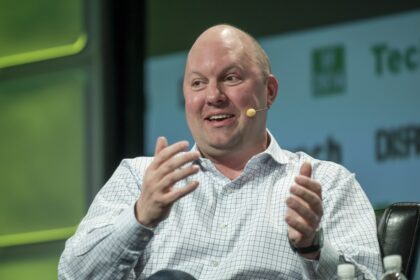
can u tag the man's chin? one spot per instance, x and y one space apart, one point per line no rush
222 146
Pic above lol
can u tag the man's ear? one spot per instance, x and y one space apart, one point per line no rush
272 87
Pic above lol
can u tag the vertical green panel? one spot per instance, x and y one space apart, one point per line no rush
42 152
35 30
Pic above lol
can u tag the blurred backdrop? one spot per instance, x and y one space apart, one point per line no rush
84 84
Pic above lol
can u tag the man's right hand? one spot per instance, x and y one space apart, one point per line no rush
158 195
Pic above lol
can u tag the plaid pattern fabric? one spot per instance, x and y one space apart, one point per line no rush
224 229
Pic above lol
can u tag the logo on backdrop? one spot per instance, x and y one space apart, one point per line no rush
328 70
389 59
397 143
329 150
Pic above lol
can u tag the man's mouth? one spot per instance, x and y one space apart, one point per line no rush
220 117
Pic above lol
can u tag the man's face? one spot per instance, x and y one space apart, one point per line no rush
222 80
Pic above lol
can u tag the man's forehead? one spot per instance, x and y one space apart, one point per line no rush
221 41
217 58
217 43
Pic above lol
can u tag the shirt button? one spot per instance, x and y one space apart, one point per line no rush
229 190
223 225
214 263
146 238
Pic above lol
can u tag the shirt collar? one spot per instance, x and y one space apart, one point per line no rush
273 150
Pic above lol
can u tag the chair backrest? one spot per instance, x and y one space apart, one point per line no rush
399 233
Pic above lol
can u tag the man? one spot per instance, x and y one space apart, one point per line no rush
236 206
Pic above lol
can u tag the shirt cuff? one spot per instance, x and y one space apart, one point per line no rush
130 233
325 267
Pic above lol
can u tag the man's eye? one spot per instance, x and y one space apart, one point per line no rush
196 83
232 78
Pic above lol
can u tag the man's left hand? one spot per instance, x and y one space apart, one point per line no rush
304 210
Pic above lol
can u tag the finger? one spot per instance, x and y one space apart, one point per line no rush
311 198
306 169
180 174
177 194
309 184
296 223
176 162
161 143
293 234
307 195
169 151
303 211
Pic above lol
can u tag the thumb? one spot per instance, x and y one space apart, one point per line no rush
161 143
306 169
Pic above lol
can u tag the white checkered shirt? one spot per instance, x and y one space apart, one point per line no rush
224 229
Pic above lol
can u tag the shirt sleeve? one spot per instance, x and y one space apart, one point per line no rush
109 241
349 226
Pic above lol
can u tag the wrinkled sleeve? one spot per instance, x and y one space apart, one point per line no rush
349 224
109 241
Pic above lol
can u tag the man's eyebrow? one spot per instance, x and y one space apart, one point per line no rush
196 73
232 67
223 71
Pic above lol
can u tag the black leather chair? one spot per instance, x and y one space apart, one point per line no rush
399 233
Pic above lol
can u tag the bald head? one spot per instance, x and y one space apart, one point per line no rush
227 72
236 39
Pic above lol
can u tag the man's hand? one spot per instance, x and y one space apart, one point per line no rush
304 209
158 194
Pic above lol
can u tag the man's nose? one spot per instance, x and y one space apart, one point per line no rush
215 94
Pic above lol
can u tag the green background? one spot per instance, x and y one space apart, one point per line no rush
42 134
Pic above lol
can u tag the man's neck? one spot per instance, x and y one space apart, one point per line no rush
232 164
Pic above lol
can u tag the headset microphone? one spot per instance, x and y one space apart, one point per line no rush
251 111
